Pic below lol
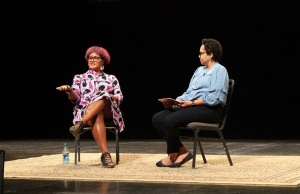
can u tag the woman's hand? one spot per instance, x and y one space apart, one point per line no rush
114 97
64 88
185 103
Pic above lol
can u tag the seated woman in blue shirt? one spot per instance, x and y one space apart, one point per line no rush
201 102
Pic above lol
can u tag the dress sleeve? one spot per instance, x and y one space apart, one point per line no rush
117 90
76 88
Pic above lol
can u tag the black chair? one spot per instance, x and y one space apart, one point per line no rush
110 126
196 127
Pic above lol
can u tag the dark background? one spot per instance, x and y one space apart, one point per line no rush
154 46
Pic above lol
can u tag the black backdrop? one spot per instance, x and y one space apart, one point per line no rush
154 45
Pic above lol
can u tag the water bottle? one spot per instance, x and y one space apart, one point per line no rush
65 154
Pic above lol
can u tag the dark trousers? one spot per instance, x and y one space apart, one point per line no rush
167 122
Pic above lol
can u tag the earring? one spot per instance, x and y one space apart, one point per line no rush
102 68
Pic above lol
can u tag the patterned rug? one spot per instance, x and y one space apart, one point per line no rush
246 170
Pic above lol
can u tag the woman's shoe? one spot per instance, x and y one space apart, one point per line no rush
77 129
186 159
160 164
107 161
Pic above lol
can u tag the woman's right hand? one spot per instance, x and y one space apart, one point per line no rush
64 88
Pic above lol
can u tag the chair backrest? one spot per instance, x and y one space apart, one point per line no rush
226 108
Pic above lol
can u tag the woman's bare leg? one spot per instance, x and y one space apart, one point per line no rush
99 132
92 111
94 116
89 117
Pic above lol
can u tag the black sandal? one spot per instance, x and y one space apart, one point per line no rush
107 161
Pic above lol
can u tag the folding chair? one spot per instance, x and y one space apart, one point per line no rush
110 126
196 127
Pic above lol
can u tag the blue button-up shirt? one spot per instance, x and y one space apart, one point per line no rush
211 86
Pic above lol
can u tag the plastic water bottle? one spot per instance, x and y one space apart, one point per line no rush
65 154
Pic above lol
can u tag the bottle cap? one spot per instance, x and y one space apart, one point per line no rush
65 144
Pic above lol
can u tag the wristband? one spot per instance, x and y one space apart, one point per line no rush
193 103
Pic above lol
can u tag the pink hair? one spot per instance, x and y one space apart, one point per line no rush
102 52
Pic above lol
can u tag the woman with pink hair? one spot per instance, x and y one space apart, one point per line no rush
97 97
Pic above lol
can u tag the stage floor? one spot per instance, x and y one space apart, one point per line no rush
22 149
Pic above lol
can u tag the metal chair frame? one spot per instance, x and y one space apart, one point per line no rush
110 127
196 127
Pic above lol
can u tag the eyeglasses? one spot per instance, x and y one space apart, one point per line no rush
201 53
94 58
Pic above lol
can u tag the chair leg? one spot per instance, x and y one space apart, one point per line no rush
76 146
77 150
225 147
195 148
117 146
202 152
116 132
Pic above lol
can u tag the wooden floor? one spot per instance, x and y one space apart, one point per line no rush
18 149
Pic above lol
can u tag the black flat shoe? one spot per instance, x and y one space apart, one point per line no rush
160 164
186 159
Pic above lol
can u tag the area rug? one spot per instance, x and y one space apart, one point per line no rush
246 170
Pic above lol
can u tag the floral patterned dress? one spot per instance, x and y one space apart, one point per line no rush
91 87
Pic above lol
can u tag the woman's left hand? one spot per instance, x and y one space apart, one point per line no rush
114 97
185 103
